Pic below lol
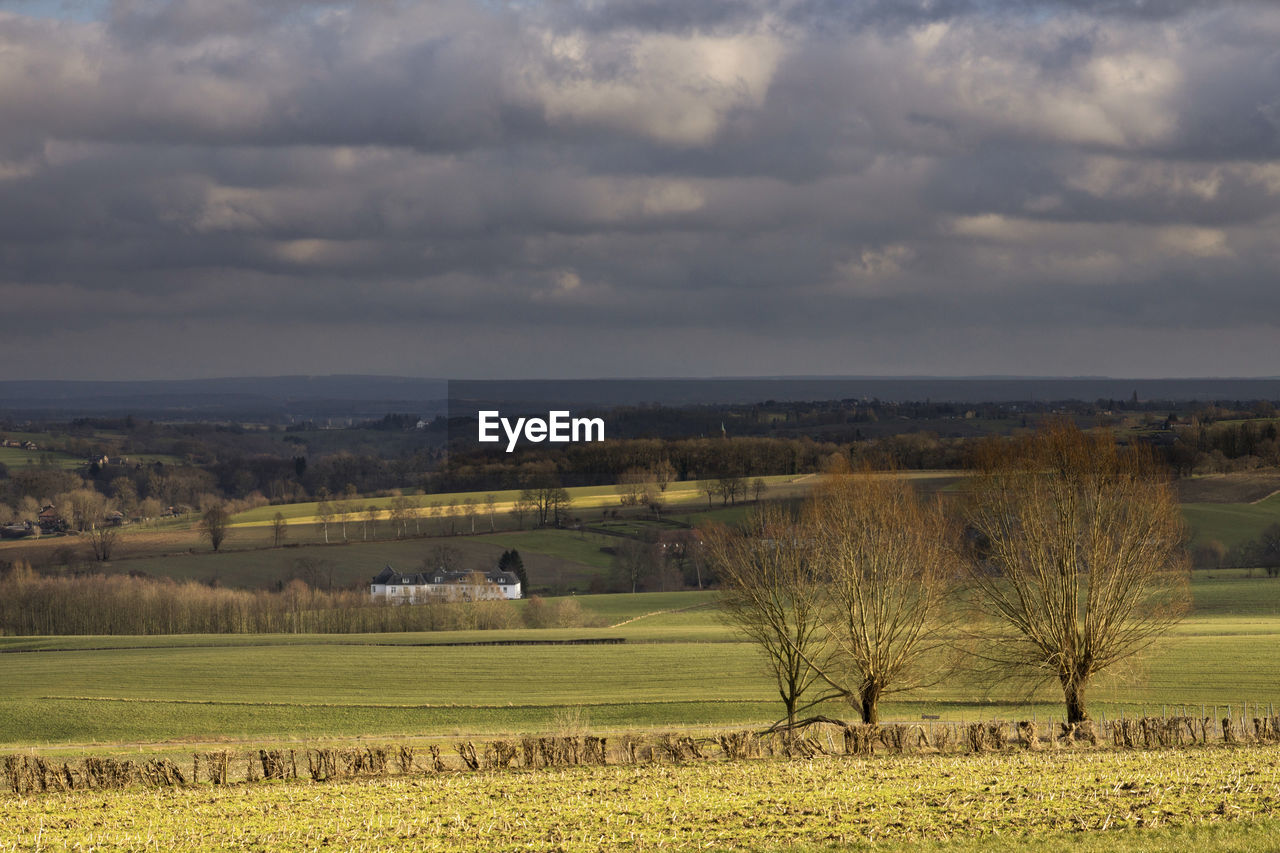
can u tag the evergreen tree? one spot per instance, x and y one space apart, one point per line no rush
510 562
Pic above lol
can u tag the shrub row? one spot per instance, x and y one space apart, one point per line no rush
26 774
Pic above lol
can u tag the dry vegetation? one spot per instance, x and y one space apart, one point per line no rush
116 604
573 746
471 800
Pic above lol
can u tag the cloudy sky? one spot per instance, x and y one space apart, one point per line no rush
639 188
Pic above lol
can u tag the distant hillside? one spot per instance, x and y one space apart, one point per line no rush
246 398
286 398
530 394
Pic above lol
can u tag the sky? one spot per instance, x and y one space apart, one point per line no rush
639 188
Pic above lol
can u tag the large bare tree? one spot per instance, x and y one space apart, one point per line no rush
103 533
769 591
888 575
279 528
214 523
1077 555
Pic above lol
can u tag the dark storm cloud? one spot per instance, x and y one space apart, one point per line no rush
645 186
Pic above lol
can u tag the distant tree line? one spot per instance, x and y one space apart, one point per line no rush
32 604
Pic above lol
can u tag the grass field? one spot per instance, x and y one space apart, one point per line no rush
681 666
1231 523
1220 799
552 558
582 497
17 459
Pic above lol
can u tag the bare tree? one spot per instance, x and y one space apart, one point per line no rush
371 514
769 591
316 573
150 509
279 528
731 486
689 551
634 486
663 473
103 533
469 512
1077 555
29 512
214 523
400 509
521 508
549 503
444 557
342 509
888 572
324 512
82 506
491 507
759 487
635 561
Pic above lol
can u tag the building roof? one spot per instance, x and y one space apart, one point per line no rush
390 576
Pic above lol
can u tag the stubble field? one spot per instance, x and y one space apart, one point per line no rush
1222 799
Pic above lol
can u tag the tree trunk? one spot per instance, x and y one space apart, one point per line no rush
1074 694
871 703
790 702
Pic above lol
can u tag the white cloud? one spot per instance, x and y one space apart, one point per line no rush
674 89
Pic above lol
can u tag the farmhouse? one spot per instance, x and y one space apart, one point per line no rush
443 585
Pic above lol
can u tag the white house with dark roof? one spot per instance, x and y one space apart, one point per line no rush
444 585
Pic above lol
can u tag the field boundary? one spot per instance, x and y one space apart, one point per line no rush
28 774
414 707
583 641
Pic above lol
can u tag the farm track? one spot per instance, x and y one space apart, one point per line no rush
650 615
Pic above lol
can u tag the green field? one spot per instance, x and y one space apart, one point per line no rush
550 558
681 666
1231 523
580 548
582 497
17 459
1217 799
680 669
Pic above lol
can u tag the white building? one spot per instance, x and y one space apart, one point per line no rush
443 585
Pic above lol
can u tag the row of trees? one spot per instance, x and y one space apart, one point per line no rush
32 604
1064 559
1263 552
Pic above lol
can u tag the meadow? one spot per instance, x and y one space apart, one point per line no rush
680 666
17 459
1231 523
678 493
